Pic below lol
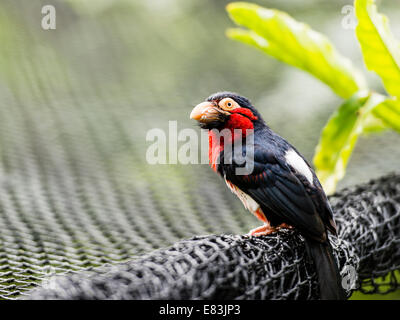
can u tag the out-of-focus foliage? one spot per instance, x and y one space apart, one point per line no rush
339 136
373 124
389 112
294 43
381 51
394 295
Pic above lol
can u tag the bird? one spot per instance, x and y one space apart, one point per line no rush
282 190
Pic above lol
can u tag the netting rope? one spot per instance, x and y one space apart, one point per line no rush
268 267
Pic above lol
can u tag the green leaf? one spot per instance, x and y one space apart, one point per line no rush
380 49
340 136
389 112
295 43
373 124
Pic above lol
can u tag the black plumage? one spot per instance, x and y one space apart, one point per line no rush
284 194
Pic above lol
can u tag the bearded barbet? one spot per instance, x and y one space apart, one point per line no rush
282 190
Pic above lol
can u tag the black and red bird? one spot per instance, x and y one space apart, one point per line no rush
282 190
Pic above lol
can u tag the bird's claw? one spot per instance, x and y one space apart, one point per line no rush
262 231
267 229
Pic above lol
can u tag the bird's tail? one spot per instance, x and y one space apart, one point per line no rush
330 282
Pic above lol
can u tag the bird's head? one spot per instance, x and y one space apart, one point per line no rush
226 110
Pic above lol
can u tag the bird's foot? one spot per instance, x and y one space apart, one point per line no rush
262 231
284 226
267 229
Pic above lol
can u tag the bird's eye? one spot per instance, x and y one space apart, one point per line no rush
228 104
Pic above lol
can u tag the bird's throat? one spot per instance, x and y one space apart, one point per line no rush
237 127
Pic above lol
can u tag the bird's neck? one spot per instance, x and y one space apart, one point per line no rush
237 127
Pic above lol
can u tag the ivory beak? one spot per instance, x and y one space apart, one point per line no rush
202 110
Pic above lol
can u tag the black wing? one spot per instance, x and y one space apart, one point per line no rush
284 195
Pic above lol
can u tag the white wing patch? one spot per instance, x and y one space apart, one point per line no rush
297 162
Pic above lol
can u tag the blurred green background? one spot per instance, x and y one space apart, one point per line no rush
115 69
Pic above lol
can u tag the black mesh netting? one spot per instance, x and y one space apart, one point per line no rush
270 267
